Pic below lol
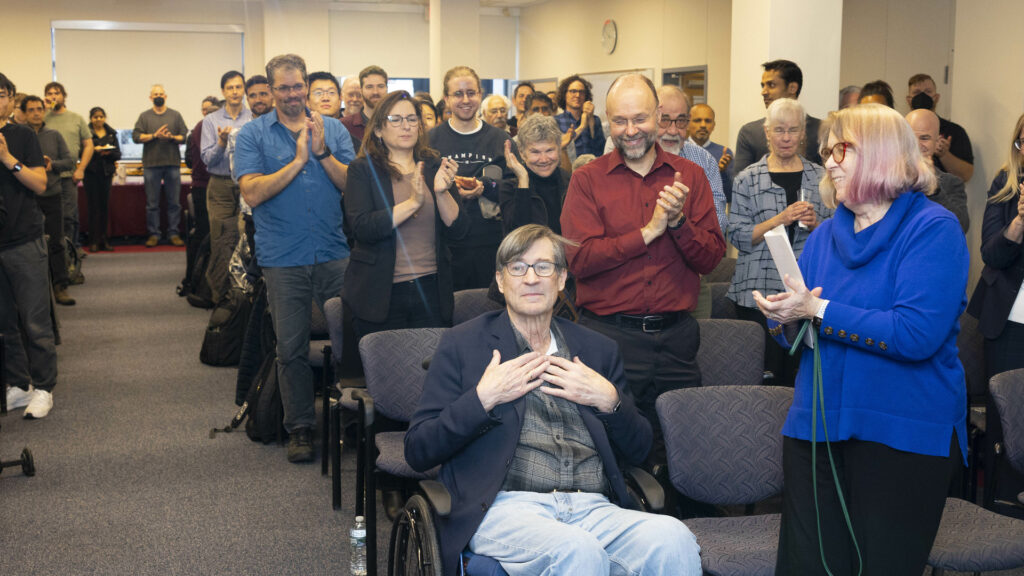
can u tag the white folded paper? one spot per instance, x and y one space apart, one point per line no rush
785 262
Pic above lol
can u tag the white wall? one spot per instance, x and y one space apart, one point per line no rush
988 95
26 56
652 35
892 40
397 38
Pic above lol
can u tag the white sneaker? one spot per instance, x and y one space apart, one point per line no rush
40 404
16 397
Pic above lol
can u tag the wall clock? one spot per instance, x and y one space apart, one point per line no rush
609 36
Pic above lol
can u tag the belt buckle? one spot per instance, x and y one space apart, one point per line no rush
657 322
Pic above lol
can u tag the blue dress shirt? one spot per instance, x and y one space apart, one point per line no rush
214 156
301 225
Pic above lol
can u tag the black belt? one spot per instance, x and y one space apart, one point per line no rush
649 323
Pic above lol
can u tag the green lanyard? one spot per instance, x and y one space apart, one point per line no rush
819 392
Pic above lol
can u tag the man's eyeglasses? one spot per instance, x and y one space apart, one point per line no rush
577 92
1019 144
395 120
542 268
322 93
287 89
680 121
465 94
838 151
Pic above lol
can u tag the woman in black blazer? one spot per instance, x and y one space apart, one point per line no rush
99 175
998 301
399 273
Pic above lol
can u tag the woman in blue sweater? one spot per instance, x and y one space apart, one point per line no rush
889 272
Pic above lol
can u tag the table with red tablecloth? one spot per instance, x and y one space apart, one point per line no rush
128 208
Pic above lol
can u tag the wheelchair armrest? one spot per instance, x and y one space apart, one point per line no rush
438 496
649 489
365 401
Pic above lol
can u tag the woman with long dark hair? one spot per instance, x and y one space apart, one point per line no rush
99 175
401 214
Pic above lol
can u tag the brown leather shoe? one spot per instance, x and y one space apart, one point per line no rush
177 241
62 297
152 241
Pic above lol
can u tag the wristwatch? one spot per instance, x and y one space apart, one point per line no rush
327 152
17 167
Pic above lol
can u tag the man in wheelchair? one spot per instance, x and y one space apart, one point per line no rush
527 415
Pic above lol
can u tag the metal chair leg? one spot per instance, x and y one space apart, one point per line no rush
325 386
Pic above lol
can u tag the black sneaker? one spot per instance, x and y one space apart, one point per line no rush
300 445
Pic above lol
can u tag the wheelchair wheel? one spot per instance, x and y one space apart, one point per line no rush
414 548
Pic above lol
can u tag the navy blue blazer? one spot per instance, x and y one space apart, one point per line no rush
1003 274
475 449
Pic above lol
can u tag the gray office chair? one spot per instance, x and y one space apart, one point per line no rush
724 448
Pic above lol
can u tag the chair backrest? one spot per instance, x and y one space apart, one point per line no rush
723 272
471 303
721 307
731 352
724 444
971 348
393 365
334 316
1007 391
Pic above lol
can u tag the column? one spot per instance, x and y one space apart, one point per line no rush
808 32
454 39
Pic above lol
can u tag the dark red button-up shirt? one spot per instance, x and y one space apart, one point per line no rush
606 206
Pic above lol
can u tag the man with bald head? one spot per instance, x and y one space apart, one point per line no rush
161 130
647 228
673 121
352 96
950 192
702 124
953 152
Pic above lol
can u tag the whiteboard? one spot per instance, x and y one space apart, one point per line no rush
602 81
115 69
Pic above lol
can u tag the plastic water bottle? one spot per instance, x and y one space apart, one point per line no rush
357 553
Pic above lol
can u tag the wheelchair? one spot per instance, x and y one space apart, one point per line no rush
414 548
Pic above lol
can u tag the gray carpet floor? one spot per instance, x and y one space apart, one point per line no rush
128 480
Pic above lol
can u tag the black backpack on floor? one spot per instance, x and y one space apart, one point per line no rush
222 344
194 286
263 402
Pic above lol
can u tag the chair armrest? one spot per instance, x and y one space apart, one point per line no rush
438 496
648 488
365 401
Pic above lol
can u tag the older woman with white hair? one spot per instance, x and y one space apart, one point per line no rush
542 182
779 190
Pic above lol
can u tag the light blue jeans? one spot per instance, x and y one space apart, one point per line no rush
170 178
291 292
582 533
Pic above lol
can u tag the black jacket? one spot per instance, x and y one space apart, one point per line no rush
371 267
101 165
1004 265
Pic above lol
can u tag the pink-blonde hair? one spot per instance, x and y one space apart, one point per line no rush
889 161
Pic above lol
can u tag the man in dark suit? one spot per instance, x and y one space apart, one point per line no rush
781 79
526 414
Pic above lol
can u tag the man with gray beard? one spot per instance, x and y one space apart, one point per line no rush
673 122
647 228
